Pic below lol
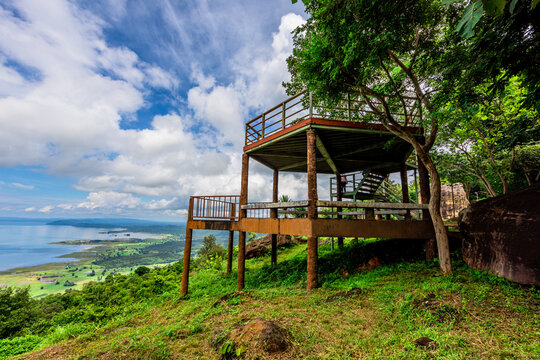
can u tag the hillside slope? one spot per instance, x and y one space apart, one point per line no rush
363 310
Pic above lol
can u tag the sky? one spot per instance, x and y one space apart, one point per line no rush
125 108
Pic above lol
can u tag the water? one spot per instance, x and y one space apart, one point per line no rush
29 244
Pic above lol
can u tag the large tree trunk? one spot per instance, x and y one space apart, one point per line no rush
435 210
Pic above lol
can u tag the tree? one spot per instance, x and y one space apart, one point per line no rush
480 137
391 54
210 248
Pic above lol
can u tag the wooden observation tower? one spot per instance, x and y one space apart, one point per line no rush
299 135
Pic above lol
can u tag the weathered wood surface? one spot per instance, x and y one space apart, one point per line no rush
371 205
275 205
502 235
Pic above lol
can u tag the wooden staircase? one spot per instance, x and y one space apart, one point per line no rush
364 185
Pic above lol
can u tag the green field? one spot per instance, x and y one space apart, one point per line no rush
356 313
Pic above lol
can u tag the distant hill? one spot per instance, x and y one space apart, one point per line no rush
22 220
111 223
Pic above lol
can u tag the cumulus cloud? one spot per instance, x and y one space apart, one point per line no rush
63 110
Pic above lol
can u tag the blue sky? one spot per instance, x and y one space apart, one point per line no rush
125 108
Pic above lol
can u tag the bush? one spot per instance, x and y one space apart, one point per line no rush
20 345
17 311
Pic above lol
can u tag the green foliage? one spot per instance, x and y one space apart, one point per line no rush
478 140
141 270
17 311
69 314
19 345
210 248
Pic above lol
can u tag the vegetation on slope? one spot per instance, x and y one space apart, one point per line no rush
468 314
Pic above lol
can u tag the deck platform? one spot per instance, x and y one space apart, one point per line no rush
305 135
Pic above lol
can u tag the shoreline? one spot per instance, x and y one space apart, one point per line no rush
75 269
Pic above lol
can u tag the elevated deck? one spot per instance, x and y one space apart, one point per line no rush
308 135
357 219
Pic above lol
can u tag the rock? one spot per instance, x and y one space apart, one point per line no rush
262 334
263 245
372 263
426 342
502 235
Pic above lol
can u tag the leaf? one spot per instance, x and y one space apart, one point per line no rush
534 3
470 18
494 7
513 6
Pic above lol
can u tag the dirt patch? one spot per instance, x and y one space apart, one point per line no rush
264 334
343 295
427 343
53 352
440 308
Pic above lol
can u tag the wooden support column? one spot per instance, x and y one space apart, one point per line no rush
230 252
369 214
274 215
312 281
187 252
339 196
405 188
242 214
423 177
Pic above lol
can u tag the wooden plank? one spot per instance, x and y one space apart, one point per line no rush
275 205
326 155
371 205
397 229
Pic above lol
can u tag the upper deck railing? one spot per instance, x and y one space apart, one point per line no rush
351 107
217 207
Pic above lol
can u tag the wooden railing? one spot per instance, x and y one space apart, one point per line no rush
217 207
329 209
306 105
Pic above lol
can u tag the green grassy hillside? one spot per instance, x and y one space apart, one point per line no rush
357 312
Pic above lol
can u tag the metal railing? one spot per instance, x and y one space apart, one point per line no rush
217 207
306 105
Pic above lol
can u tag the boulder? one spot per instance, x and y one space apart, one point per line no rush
259 333
263 245
502 235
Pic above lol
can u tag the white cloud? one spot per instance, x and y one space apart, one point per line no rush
29 209
109 200
64 112
22 186
46 209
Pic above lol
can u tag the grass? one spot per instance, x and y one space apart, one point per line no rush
468 314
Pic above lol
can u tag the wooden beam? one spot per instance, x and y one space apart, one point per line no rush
371 205
293 165
275 205
362 149
326 155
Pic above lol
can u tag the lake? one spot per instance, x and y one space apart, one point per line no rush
28 244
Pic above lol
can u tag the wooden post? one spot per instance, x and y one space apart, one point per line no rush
339 198
230 252
187 251
405 188
242 214
369 214
273 215
423 177
312 281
